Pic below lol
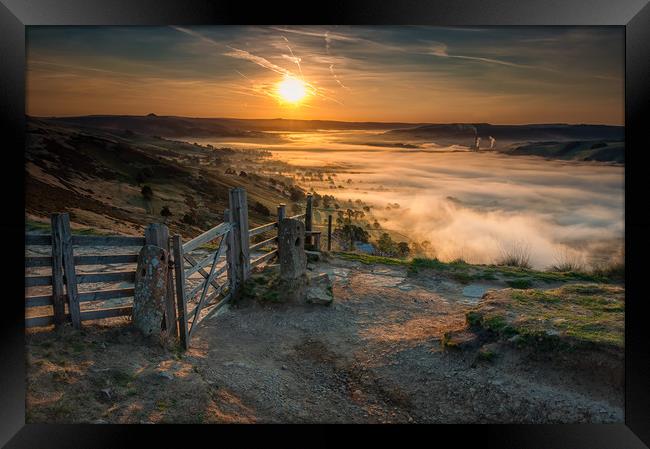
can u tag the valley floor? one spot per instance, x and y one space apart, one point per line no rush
373 356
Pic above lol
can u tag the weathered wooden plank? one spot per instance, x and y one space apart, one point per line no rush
37 301
282 213
308 221
114 276
263 243
202 272
38 261
239 211
38 321
204 238
329 233
264 258
225 300
261 229
69 269
206 285
36 281
46 320
107 259
107 240
181 304
231 257
198 266
38 239
106 313
209 299
212 281
101 295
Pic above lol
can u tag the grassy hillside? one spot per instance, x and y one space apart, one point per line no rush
602 151
120 181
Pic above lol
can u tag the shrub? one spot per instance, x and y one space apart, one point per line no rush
147 192
190 218
165 212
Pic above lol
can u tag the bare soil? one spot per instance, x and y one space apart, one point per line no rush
373 356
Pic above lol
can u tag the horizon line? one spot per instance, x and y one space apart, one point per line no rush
324 120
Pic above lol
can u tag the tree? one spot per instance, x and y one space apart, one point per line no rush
296 194
147 193
189 218
261 209
386 245
165 212
350 233
403 249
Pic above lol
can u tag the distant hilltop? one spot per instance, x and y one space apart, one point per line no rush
513 133
174 126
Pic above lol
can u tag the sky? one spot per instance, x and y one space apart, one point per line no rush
416 74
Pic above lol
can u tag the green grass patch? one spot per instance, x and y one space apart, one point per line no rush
461 271
520 283
569 316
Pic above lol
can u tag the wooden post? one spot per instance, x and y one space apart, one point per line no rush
329 232
70 274
158 234
231 256
308 221
239 211
58 295
180 290
282 213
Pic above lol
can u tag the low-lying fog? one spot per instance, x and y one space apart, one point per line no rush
467 204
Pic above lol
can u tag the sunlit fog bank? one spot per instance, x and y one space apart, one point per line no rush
469 205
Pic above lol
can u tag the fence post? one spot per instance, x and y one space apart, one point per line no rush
329 232
308 221
239 211
231 258
70 274
158 234
58 295
282 213
179 268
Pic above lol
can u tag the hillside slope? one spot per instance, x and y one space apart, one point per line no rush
99 177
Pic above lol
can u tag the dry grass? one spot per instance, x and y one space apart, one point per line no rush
514 254
108 373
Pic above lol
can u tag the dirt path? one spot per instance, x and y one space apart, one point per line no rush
373 356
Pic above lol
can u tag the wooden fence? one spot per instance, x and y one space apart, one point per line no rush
230 261
64 279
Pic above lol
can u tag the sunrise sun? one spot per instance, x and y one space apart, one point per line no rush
292 90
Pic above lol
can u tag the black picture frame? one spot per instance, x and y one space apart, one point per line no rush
634 15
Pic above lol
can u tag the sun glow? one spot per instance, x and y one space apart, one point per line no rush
292 90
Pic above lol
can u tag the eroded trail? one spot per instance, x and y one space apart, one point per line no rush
375 356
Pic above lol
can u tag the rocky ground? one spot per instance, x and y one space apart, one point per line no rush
373 356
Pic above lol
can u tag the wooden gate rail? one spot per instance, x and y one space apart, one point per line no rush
187 322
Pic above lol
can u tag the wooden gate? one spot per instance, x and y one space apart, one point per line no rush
205 291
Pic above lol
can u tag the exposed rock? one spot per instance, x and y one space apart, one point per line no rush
319 290
150 290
